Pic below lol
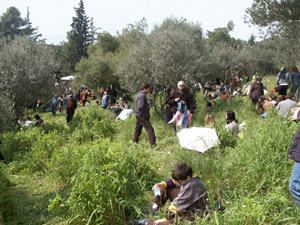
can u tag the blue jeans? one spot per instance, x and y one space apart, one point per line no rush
295 183
294 87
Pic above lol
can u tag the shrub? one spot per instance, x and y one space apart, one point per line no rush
91 124
109 183
5 201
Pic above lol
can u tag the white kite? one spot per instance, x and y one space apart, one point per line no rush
198 138
125 114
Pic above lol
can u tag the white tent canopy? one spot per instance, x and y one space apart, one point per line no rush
68 78
198 138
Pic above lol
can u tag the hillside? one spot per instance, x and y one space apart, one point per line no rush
91 173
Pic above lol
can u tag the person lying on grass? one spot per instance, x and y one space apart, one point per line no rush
186 191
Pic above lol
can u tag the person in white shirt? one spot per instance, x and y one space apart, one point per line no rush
285 106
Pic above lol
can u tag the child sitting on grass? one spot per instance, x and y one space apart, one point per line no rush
182 117
232 123
186 191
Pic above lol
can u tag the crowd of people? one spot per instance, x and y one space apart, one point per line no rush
185 189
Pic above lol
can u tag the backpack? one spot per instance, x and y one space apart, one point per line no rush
70 105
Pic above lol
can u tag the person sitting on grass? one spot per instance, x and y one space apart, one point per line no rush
232 123
182 117
263 106
28 123
285 106
186 191
209 119
273 99
39 121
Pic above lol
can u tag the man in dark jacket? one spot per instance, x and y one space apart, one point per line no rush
181 94
256 90
71 106
294 154
142 113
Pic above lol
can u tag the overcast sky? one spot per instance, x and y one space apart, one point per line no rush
53 17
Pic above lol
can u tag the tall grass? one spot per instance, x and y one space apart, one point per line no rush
104 178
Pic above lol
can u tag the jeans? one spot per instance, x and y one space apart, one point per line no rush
295 183
294 87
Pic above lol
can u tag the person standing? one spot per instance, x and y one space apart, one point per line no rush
181 94
283 81
142 113
105 100
83 97
294 154
295 79
169 114
71 106
54 104
256 90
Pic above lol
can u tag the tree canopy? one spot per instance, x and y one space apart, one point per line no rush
26 70
12 24
79 37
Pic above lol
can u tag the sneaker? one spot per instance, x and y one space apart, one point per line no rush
139 222
154 208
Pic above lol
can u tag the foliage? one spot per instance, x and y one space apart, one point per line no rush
11 25
80 37
91 125
109 183
107 42
171 52
281 18
26 70
98 70
5 194
221 35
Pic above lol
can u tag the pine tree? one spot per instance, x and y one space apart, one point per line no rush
79 37
12 24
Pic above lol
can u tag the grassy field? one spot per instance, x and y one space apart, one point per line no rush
92 173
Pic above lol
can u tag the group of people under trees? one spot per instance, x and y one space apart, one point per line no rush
191 198
185 189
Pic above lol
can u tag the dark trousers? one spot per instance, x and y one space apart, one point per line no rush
282 89
169 116
165 195
143 121
70 114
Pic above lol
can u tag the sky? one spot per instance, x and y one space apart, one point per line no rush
54 17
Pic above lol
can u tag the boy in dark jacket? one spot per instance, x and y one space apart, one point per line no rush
187 193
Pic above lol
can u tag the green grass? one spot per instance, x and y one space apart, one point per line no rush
92 173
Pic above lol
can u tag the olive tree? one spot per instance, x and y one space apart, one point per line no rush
281 19
173 51
26 70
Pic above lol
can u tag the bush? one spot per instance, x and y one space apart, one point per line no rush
5 201
107 183
91 124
